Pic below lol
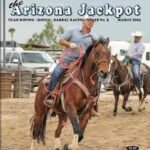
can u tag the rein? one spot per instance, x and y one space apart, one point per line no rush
56 92
74 79
64 54
125 82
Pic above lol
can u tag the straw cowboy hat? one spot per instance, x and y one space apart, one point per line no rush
88 17
137 33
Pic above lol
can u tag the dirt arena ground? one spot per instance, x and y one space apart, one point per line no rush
102 133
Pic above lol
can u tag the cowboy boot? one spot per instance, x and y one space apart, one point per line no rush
49 99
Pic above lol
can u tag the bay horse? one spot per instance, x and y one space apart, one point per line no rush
95 65
122 83
146 85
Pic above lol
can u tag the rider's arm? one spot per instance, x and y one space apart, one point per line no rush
64 42
137 52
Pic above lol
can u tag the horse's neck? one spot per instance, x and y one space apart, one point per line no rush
88 71
122 71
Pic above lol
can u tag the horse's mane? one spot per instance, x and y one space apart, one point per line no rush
86 54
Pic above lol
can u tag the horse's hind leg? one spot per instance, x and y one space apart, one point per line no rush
61 124
141 107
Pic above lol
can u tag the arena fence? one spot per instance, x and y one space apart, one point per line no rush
18 84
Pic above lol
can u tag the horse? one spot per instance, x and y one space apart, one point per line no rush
144 68
76 104
146 85
122 83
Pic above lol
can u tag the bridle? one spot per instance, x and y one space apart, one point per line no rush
114 77
97 63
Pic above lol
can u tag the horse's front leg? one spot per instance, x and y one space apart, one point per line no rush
61 124
72 114
84 120
116 95
125 99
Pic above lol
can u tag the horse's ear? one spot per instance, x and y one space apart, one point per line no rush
116 56
101 40
107 41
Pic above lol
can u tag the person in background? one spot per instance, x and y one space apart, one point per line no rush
135 53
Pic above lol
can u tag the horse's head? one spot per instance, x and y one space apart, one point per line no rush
114 65
101 57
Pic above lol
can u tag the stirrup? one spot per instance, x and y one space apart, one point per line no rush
49 102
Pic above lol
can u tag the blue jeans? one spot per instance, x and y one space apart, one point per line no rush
136 72
58 72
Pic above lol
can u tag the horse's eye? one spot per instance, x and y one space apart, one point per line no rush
97 54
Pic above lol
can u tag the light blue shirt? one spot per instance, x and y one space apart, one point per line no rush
76 35
136 50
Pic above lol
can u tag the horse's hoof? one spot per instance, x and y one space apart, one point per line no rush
114 113
66 147
128 109
141 109
80 138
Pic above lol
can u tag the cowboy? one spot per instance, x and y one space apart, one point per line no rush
73 38
135 53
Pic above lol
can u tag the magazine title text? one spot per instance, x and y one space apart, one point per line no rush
17 9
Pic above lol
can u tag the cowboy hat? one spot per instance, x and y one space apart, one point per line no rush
137 33
88 17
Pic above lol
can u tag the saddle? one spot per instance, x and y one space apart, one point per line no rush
127 64
69 77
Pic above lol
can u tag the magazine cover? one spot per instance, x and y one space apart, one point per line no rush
75 75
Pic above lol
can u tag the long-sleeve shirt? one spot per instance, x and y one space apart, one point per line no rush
136 50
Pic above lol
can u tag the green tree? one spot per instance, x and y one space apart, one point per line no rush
48 36
60 30
12 30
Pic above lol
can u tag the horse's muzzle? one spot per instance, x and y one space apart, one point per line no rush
103 74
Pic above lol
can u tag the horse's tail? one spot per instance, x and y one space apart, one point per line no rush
40 134
43 127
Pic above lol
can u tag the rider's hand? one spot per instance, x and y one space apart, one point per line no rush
127 56
73 45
